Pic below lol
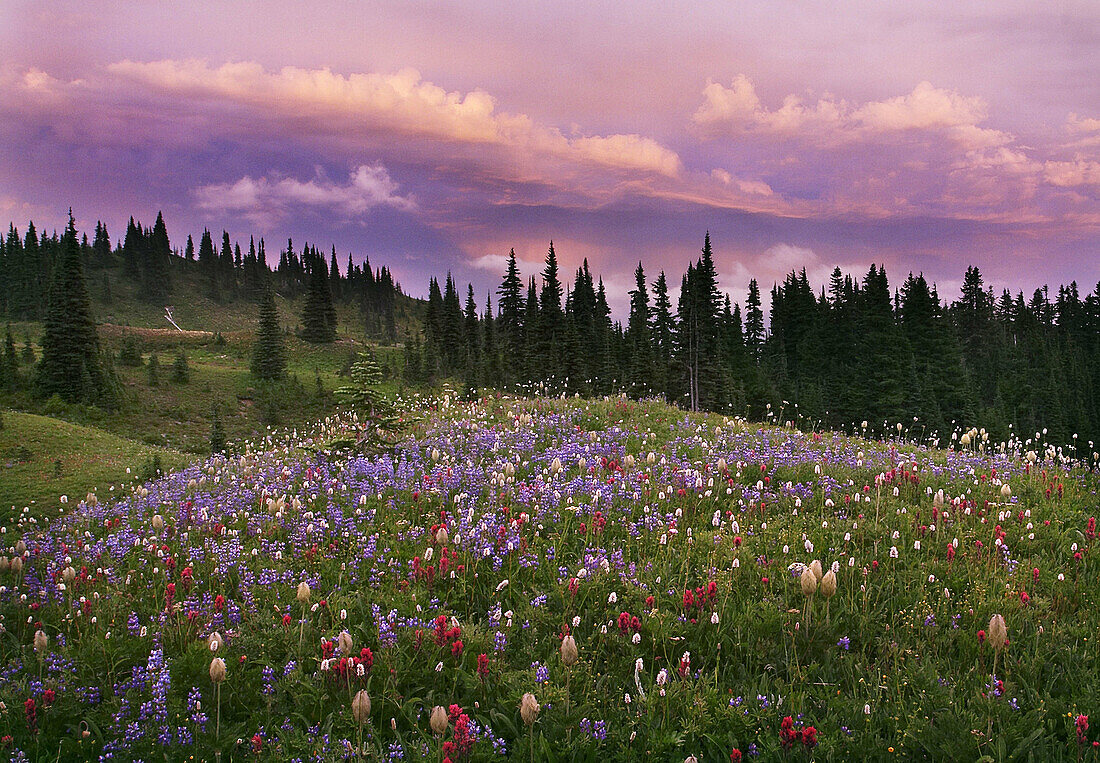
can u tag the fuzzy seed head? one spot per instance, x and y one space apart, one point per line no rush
344 642
815 565
438 720
569 653
809 582
998 632
529 709
303 592
360 707
217 670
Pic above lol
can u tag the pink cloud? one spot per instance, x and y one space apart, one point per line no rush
1077 172
401 102
738 109
268 198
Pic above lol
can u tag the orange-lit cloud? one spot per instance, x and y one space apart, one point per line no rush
404 102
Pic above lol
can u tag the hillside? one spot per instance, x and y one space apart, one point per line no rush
217 342
568 580
44 458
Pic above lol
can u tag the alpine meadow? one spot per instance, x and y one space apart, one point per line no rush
461 382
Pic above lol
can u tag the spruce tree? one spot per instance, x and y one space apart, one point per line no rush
412 373
638 337
156 282
129 354
208 264
663 331
754 322
71 365
453 353
268 356
318 314
31 288
511 313
551 329
490 350
101 246
181 372
376 415
535 364
472 333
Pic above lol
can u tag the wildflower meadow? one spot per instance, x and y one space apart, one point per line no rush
548 579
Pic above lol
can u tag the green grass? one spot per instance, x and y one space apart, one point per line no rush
43 458
663 541
179 417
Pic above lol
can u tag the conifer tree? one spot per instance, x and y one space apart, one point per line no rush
133 251
71 365
413 374
453 345
638 337
511 310
534 361
101 246
490 350
155 273
551 328
318 314
181 372
208 263
663 331
472 333
377 422
9 360
754 322
268 355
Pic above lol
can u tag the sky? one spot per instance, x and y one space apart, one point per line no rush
437 136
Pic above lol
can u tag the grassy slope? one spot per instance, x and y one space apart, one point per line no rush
43 458
179 416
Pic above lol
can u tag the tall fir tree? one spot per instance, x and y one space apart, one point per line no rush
551 321
156 282
639 339
318 313
511 315
72 365
268 353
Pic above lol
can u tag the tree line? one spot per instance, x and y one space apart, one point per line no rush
227 273
855 350
46 278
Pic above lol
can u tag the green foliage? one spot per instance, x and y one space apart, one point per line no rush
319 313
130 352
181 372
376 416
153 369
268 356
71 364
217 433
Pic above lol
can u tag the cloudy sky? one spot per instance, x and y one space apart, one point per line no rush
436 136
